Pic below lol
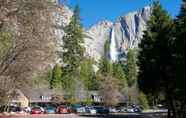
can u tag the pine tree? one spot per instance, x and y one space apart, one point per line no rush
105 64
180 58
73 42
68 84
106 49
119 73
73 52
180 46
182 13
87 74
155 54
132 71
156 66
56 77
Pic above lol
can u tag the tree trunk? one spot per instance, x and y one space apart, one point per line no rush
173 107
169 113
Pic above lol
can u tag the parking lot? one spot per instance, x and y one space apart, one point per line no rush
130 115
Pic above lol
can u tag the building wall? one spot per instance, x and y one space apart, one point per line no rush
24 102
21 99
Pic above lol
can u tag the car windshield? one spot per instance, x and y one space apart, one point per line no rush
63 106
77 106
99 107
50 107
36 108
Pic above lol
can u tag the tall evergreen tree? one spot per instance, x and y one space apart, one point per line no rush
119 73
180 57
73 53
155 56
56 77
105 64
87 74
132 71
73 42
106 48
180 45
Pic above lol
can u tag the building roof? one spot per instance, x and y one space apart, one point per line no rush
40 94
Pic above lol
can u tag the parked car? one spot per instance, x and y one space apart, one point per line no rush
63 109
77 108
123 109
138 109
91 110
27 109
50 110
101 110
10 109
113 110
37 110
134 109
81 110
130 109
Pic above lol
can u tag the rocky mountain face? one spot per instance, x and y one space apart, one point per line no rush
61 17
95 39
123 34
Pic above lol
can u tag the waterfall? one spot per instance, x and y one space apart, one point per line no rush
113 49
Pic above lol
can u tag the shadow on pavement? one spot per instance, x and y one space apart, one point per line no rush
116 116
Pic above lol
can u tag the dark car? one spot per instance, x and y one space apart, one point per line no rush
10 109
101 110
15 109
37 110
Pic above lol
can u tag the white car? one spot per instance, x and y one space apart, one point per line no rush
92 111
130 110
113 110
81 110
27 109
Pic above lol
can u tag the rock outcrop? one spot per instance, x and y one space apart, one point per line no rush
125 33
95 39
61 17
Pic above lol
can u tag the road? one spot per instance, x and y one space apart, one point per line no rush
88 116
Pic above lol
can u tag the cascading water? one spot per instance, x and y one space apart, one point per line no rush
113 49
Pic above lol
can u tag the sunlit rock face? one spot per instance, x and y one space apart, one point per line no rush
95 39
129 30
61 17
124 34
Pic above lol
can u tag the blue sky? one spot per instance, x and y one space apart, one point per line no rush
93 11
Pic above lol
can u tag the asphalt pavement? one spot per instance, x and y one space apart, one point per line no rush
90 116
